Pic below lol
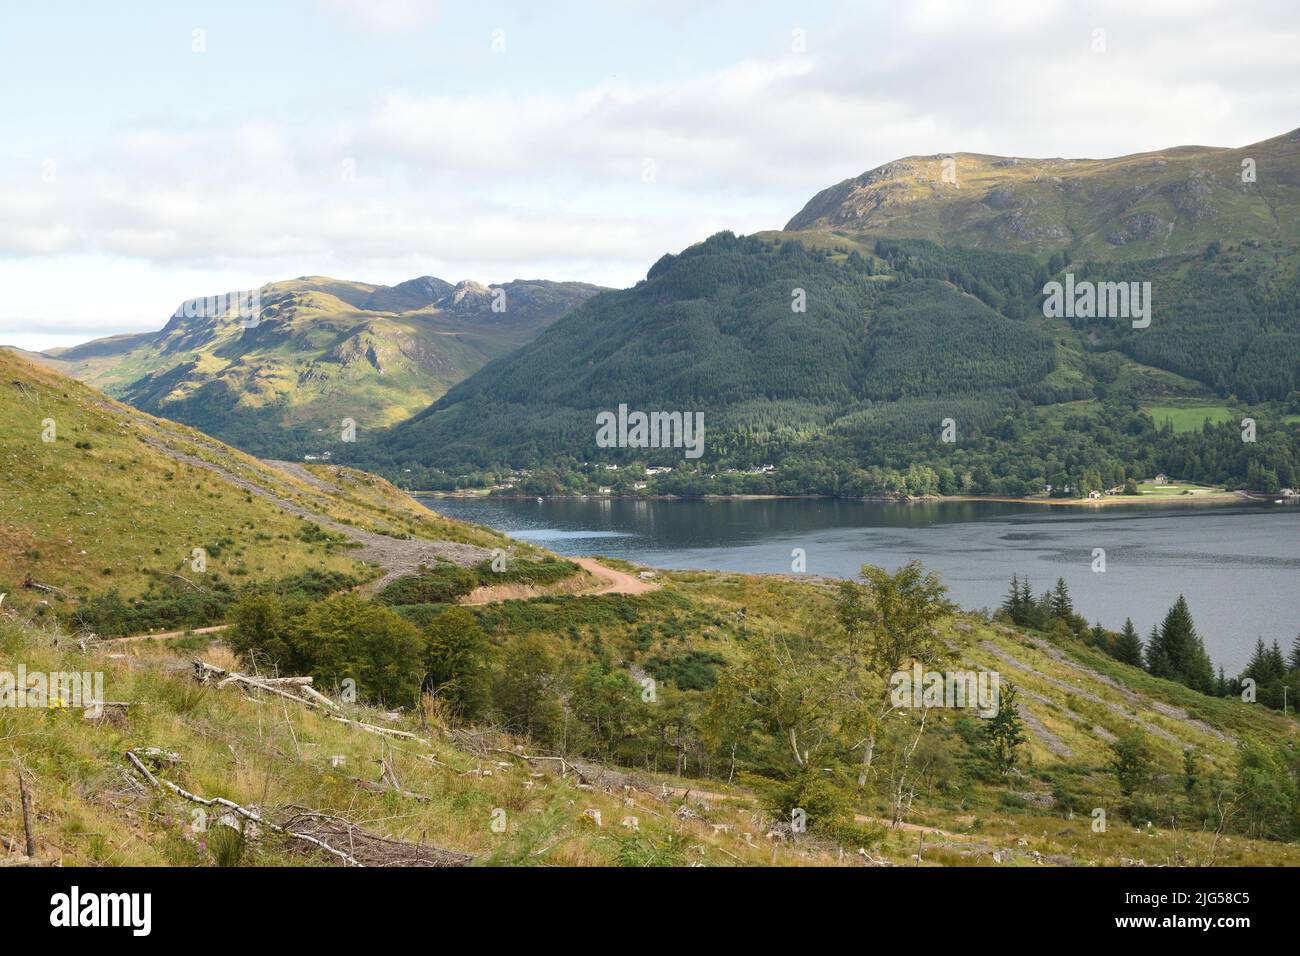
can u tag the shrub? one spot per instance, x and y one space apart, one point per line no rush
441 584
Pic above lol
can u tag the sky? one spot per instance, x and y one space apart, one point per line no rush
157 152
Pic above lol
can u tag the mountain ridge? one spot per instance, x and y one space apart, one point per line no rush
1095 207
320 350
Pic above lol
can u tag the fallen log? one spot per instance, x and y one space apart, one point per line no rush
47 588
205 671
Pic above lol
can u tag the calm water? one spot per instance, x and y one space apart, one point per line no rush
1238 565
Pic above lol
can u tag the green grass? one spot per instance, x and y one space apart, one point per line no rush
101 507
274 756
1189 418
1173 488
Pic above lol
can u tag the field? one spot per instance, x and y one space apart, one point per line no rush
1174 488
1189 418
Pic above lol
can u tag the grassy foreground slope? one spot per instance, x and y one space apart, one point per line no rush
120 499
429 791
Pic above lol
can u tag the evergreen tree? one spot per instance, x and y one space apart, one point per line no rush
1012 605
1004 732
1157 660
1275 662
1295 653
1177 652
1128 646
1131 761
1042 612
1191 774
1257 664
1061 605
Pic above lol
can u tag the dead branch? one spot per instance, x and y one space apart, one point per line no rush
26 798
180 577
242 811
318 696
205 671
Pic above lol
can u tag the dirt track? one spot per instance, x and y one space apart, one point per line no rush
616 582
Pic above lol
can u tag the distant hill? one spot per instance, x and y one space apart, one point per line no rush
1142 206
323 350
849 396
713 329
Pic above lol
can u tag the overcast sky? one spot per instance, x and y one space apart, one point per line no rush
154 152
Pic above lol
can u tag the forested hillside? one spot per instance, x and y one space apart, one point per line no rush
898 337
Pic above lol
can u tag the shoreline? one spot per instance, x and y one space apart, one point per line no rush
1210 497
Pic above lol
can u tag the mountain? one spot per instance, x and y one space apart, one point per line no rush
323 350
827 358
1132 207
713 330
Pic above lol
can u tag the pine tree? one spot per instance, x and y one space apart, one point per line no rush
1191 774
1012 604
1276 663
1061 606
1004 732
1131 761
1128 646
1178 653
1295 653
1257 664
1157 660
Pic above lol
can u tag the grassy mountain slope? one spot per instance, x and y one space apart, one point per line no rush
1132 207
324 350
120 499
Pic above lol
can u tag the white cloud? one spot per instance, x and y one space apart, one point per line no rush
549 183
384 17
